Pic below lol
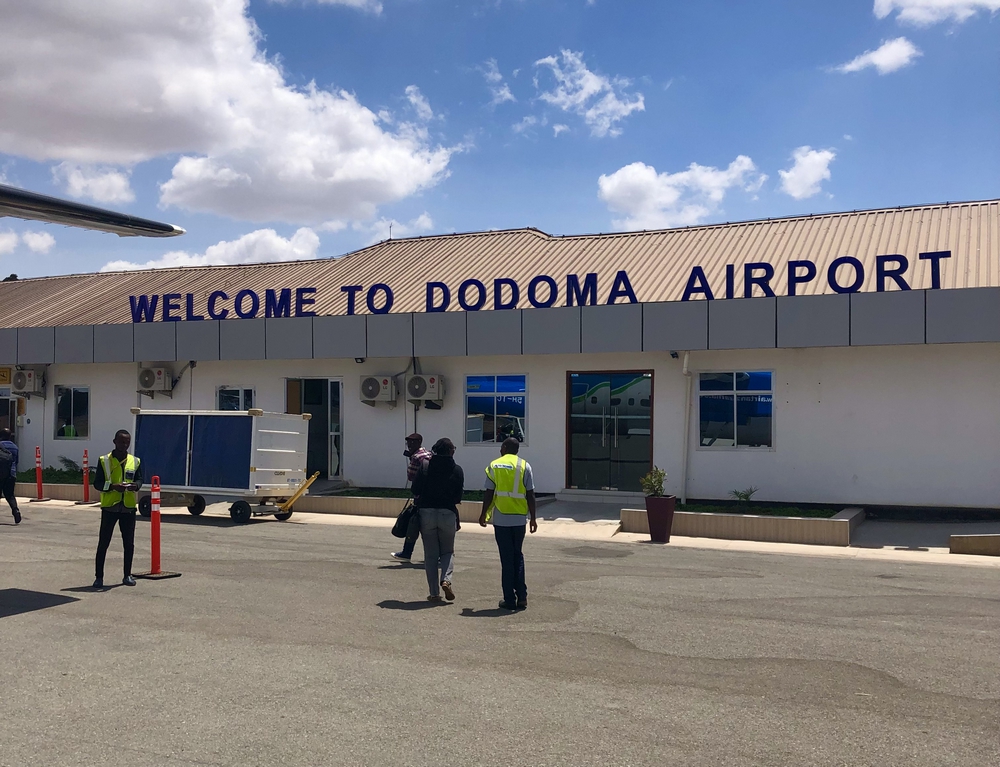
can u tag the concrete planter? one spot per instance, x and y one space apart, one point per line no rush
835 531
55 492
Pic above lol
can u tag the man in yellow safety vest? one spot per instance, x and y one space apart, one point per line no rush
119 477
508 503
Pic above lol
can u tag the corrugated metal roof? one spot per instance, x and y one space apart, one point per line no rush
658 264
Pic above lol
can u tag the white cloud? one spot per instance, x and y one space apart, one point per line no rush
557 129
119 82
419 103
810 169
363 5
8 242
499 90
255 247
381 229
38 242
600 101
926 12
105 185
888 57
527 123
651 200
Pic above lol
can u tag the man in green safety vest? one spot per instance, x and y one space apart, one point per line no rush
119 477
508 503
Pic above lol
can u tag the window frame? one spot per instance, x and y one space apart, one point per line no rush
242 390
55 407
465 405
698 393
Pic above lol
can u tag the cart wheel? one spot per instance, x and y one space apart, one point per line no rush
283 515
240 511
146 505
197 505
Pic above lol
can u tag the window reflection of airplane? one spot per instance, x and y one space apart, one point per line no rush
597 397
19 203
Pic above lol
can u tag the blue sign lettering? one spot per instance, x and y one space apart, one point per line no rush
935 259
191 316
585 295
171 302
445 297
533 291
621 288
763 281
301 302
515 293
795 279
374 290
278 304
463 301
143 308
212 312
697 283
246 314
352 296
859 274
882 271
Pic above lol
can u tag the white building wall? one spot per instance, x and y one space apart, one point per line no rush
908 425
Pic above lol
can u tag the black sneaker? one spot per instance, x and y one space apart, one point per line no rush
17 517
98 583
522 604
504 605
398 556
128 580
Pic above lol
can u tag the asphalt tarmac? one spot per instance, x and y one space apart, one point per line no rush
301 643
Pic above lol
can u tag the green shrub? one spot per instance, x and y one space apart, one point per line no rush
652 483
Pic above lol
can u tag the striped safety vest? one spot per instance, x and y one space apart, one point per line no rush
510 496
116 474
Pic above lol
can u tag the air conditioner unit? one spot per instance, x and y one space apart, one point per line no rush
425 387
26 382
155 379
378 389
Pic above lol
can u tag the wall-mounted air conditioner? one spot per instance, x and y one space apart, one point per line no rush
428 386
27 382
378 389
155 380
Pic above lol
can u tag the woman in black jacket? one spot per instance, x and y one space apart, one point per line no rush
438 490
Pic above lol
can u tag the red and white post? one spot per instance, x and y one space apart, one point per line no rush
154 529
155 573
38 475
86 481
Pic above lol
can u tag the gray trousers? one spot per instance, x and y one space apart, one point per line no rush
437 526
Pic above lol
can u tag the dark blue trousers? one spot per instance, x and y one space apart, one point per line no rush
509 543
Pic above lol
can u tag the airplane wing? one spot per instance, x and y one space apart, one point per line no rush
19 203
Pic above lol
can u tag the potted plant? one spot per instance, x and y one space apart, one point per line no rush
659 507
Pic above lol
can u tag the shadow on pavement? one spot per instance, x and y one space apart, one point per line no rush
91 589
395 604
915 536
495 612
17 601
190 519
403 566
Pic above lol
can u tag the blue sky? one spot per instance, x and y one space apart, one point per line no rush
299 129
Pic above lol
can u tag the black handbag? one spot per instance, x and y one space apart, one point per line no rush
403 520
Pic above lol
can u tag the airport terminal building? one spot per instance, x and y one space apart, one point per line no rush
848 358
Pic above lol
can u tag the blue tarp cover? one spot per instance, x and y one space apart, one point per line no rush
161 444
220 451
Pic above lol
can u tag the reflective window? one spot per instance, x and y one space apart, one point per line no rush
736 420
235 399
496 407
72 412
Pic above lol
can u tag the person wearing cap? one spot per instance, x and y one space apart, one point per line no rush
419 456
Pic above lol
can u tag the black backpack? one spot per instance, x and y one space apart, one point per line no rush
6 463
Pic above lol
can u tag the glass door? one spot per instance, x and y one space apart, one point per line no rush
320 397
610 429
